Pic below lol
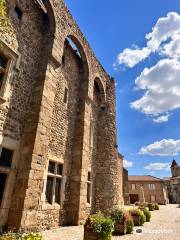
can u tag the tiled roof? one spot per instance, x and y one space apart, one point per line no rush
178 177
143 178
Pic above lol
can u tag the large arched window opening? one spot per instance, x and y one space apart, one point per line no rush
69 113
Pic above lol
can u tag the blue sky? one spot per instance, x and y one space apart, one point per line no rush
153 122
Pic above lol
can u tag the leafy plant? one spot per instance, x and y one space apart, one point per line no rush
142 218
4 20
147 213
129 220
101 225
156 206
117 214
135 211
151 206
18 236
138 212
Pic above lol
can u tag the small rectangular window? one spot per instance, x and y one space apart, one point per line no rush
18 13
59 169
3 178
51 167
3 68
151 186
133 186
3 61
153 198
49 189
89 176
89 188
58 191
6 156
54 181
65 95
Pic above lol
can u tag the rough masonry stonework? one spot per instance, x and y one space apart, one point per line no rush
58 105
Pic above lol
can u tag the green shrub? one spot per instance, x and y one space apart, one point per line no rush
18 236
31 236
116 214
4 20
142 218
135 211
147 213
138 212
156 206
101 225
130 224
151 206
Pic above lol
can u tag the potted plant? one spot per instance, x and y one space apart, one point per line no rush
138 217
151 206
120 224
20 236
156 206
8 236
129 221
147 213
98 227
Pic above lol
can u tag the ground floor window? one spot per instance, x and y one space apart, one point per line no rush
3 178
54 182
6 156
153 198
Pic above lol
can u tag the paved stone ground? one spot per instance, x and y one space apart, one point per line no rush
165 225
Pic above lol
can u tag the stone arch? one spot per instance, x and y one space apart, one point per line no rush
99 91
51 17
78 47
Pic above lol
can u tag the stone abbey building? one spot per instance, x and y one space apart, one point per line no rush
58 150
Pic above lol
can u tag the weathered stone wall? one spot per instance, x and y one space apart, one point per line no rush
125 187
81 134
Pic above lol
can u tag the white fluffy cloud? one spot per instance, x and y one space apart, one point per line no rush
162 88
165 147
130 57
158 166
161 119
166 28
127 164
160 83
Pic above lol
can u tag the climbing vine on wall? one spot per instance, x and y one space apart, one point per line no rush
4 20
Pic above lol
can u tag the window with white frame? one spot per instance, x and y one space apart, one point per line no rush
54 182
6 156
89 188
133 186
4 68
152 186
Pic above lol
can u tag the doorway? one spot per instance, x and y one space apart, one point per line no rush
134 198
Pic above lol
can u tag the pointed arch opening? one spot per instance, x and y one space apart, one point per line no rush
98 92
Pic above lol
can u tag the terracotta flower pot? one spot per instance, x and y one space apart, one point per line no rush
136 220
120 228
90 235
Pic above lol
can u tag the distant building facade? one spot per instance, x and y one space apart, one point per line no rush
173 183
147 188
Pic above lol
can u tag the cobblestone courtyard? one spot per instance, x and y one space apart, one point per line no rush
165 225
